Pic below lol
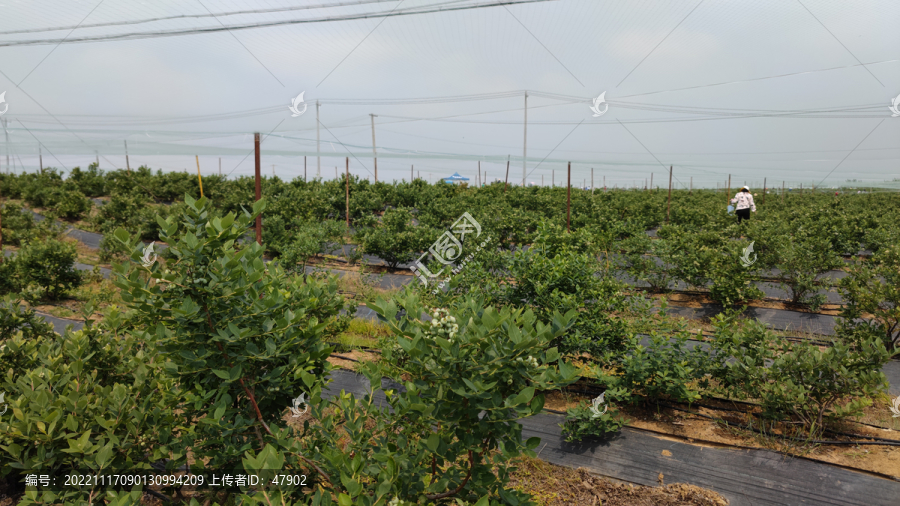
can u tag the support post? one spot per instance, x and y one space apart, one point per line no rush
651 182
478 181
127 163
348 192
318 151
728 191
592 180
569 199
525 141
506 181
199 178
6 134
41 158
220 166
258 186
782 192
374 154
764 192
669 206
304 168
691 192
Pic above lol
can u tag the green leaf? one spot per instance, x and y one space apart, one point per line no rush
433 441
222 374
344 500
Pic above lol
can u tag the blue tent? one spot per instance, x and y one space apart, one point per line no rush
455 178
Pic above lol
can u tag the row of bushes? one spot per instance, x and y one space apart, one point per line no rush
215 346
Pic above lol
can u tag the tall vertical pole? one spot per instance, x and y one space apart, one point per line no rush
220 166
525 140
6 133
692 185
728 191
199 178
764 191
651 181
478 182
374 155
258 186
669 207
318 151
347 193
98 159
592 180
127 163
506 181
41 158
411 173
782 191
553 178
569 198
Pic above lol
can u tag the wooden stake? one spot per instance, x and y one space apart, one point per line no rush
304 168
199 179
691 192
782 192
506 182
728 191
127 163
348 192
569 198
41 158
669 207
478 181
258 187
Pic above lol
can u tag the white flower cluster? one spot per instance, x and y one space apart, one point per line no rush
443 325
396 501
528 361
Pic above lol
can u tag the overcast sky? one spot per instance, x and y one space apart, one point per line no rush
788 90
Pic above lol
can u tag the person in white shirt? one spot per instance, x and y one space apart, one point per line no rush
743 201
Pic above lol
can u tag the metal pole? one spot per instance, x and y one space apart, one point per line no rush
411 173
478 182
651 181
348 192
258 187
592 180
569 198
553 178
318 151
98 159
669 207
374 155
764 192
304 167
41 158
525 140
692 185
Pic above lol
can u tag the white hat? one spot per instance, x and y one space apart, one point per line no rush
746 188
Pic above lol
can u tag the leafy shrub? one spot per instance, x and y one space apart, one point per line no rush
309 240
648 260
49 265
800 259
872 292
72 205
589 420
88 401
468 384
241 340
90 182
16 318
666 369
731 282
796 380
397 241
17 224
